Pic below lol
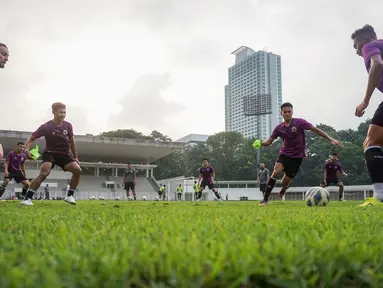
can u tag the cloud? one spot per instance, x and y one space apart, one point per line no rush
143 107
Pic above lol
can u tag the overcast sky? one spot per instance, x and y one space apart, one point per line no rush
162 64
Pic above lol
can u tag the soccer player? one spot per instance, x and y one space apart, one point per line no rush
179 192
263 178
331 169
292 132
4 54
370 48
196 189
59 140
130 181
14 168
206 178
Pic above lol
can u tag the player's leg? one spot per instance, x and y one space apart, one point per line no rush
133 188
341 189
201 188
278 168
292 167
25 182
286 180
4 185
45 170
212 188
1 151
127 190
373 152
75 169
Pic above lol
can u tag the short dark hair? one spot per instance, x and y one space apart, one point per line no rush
334 154
20 143
58 105
3 45
366 30
205 159
286 104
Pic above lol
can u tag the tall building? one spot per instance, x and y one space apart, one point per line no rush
253 73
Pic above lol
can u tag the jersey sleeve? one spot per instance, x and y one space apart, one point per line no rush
9 156
275 133
40 132
267 172
369 50
340 168
305 125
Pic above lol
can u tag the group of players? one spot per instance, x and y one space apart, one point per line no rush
60 140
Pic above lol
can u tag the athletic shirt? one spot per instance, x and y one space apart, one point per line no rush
196 187
293 137
179 189
15 161
56 137
129 174
332 170
207 173
370 49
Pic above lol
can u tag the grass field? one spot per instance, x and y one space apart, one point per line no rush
206 244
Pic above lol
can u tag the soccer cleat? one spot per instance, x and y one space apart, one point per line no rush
371 202
282 193
263 203
70 200
27 202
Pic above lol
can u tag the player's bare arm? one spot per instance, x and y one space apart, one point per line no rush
73 147
6 173
325 175
27 146
374 77
326 136
1 151
23 170
268 142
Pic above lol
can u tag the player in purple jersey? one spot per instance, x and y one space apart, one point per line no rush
292 132
59 139
14 168
368 46
206 178
331 170
4 54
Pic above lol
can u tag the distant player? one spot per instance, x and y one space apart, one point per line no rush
370 48
59 139
14 168
179 192
292 132
4 54
331 170
263 178
206 178
130 181
162 192
196 189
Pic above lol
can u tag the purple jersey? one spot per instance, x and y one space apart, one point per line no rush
370 49
207 174
293 137
332 170
56 136
15 161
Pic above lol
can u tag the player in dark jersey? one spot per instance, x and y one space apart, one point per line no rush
206 178
368 46
14 168
292 132
4 54
59 139
331 170
130 181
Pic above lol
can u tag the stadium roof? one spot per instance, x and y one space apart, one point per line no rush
98 148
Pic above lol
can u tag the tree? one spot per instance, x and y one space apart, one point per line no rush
126 133
159 136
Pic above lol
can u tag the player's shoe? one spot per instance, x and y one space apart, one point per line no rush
371 202
70 200
27 202
263 203
220 200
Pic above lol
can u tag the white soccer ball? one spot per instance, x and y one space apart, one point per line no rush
144 198
93 198
102 198
157 198
117 198
317 196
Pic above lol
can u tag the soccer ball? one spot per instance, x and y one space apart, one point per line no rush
102 198
317 196
157 198
117 198
144 198
93 198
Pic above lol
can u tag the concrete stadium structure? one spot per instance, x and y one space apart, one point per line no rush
103 161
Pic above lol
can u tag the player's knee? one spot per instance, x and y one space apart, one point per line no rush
340 184
44 174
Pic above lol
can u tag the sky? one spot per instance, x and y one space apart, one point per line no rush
162 65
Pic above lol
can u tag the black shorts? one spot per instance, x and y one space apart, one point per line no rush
331 182
291 165
377 119
58 159
129 185
204 184
262 187
18 176
160 193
